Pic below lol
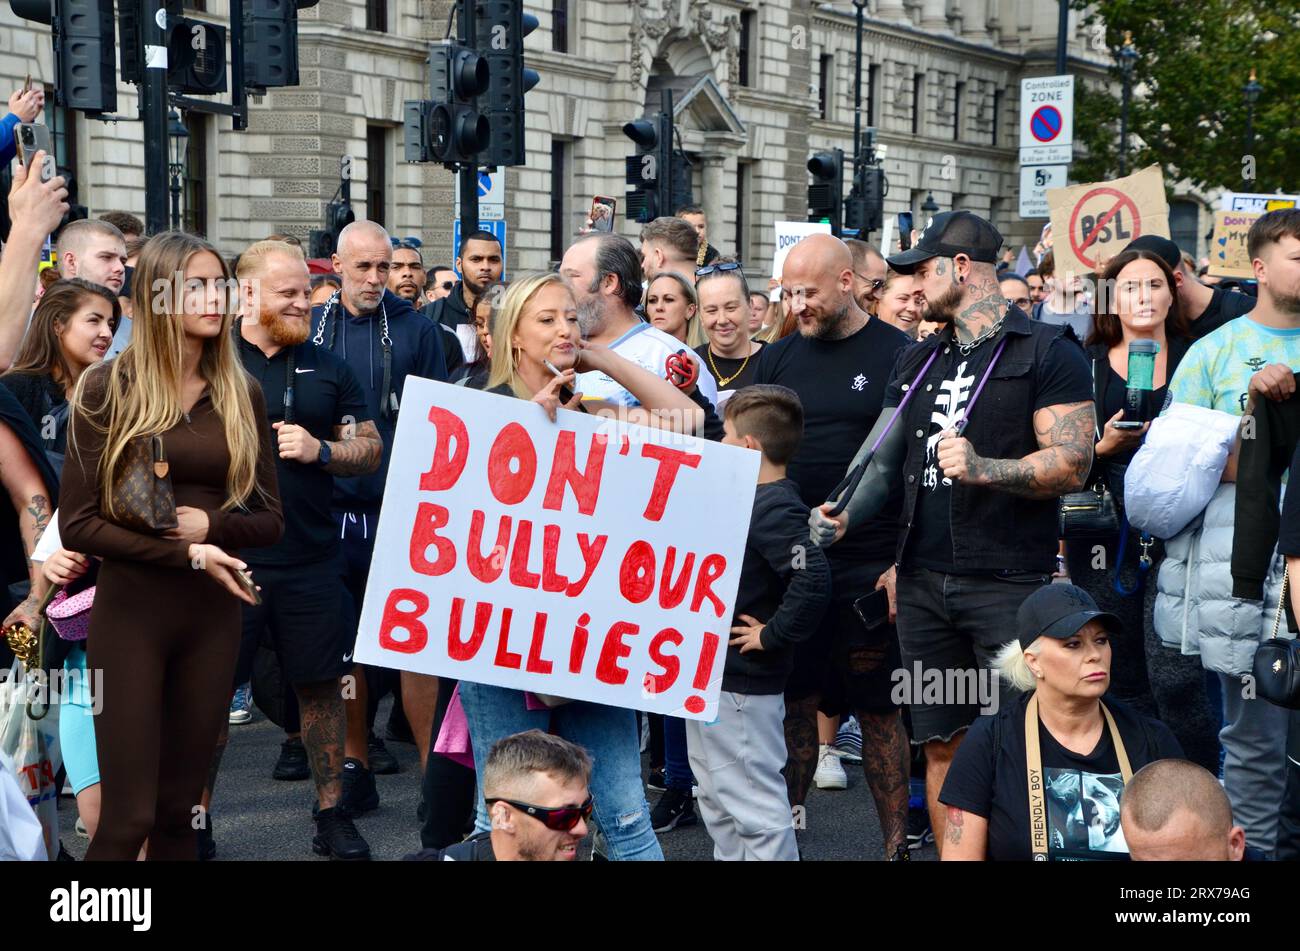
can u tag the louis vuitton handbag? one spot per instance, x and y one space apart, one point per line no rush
142 491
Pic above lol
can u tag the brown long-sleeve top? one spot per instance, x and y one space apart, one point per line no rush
198 462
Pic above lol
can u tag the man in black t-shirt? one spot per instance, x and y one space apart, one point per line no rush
323 429
839 363
979 518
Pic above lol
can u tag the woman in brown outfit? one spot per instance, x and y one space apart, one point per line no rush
165 626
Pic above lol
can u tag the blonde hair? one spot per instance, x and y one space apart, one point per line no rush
506 314
694 329
1012 667
139 393
253 261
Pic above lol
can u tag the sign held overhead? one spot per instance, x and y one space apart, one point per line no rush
1092 223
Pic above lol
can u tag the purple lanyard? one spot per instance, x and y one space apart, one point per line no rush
854 477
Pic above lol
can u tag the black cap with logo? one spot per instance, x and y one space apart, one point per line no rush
951 233
1059 611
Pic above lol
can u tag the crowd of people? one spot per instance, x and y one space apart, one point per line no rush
202 472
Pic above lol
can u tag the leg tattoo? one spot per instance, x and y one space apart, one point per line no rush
801 748
322 712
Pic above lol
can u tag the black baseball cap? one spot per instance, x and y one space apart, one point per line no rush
951 233
1161 247
1059 611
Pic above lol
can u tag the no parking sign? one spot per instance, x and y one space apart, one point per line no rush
1092 223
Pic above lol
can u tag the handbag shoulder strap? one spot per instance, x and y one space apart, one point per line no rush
1096 398
1034 780
1281 601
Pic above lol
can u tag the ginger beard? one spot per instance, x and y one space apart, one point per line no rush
286 330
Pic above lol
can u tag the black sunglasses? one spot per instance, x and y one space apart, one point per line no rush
562 819
413 244
447 285
717 268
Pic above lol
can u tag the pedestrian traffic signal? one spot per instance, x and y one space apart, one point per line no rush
271 42
338 215
85 69
825 194
457 130
499 31
196 57
864 209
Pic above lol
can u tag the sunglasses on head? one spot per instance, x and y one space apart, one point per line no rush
413 244
562 819
717 268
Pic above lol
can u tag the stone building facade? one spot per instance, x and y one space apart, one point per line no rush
758 86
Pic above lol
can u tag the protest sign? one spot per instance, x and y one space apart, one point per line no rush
1092 223
1256 201
788 234
586 558
1228 257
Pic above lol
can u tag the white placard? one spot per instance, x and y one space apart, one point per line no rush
585 558
1256 202
1046 111
788 234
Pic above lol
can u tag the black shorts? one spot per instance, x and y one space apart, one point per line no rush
308 618
845 666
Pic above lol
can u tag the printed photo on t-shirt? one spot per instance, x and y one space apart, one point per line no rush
1083 815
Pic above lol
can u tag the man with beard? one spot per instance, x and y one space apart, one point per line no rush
406 280
383 339
480 265
605 274
869 273
839 363
324 429
979 521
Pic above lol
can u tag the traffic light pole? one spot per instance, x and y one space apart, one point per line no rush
468 200
153 115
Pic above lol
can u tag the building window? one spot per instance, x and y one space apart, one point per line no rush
560 227
824 85
560 26
918 101
376 173
997 113
744 176
958 94
377 15
873 88
747 19
195 216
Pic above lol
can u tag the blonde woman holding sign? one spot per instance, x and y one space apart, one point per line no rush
1043 777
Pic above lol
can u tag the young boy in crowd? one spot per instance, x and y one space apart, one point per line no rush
785 587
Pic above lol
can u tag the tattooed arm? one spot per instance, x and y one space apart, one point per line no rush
872 491
30 498
965 837
355 450
1061 464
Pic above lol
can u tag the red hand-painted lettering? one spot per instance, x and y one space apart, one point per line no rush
670 461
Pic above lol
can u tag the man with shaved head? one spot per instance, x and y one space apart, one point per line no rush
384 340
979 523
1173 810
839 363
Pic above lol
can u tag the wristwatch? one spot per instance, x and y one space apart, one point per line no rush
323 457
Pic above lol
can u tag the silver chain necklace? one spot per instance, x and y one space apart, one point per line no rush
965 348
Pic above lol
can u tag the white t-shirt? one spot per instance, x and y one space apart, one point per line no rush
649 348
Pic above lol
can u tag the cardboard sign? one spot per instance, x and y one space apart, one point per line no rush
585 558
1228 257
788 234
1092 223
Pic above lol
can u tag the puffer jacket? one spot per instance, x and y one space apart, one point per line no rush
1195 610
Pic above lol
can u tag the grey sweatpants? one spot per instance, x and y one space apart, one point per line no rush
737 762
1254 738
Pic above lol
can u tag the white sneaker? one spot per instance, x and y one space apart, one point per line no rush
830 774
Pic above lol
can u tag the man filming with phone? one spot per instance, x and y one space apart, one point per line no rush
24 106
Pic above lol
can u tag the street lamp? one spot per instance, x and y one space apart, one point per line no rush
1127 57
1251 90
929 208
179 139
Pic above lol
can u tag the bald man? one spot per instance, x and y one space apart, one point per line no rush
839 363
1173 810
384 340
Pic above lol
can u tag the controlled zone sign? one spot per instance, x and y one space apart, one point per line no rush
1092 223
1046 111
586 558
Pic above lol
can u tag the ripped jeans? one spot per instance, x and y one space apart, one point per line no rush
609 734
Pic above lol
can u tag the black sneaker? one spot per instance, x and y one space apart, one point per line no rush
918 828
382 762
359 793
657 781
207 847
338 838
675 808
292 764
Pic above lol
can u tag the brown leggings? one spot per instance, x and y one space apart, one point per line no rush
166 641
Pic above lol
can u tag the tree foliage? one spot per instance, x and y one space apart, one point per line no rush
1188 111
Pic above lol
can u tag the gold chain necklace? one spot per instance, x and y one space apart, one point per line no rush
724 380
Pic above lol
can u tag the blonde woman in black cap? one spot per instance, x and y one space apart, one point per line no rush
1042 778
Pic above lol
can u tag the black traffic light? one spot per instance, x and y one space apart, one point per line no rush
825 194
448 127
196 57
660 175
499 32
85 70
338 215
271 42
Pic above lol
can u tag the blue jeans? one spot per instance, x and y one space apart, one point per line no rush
609 734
